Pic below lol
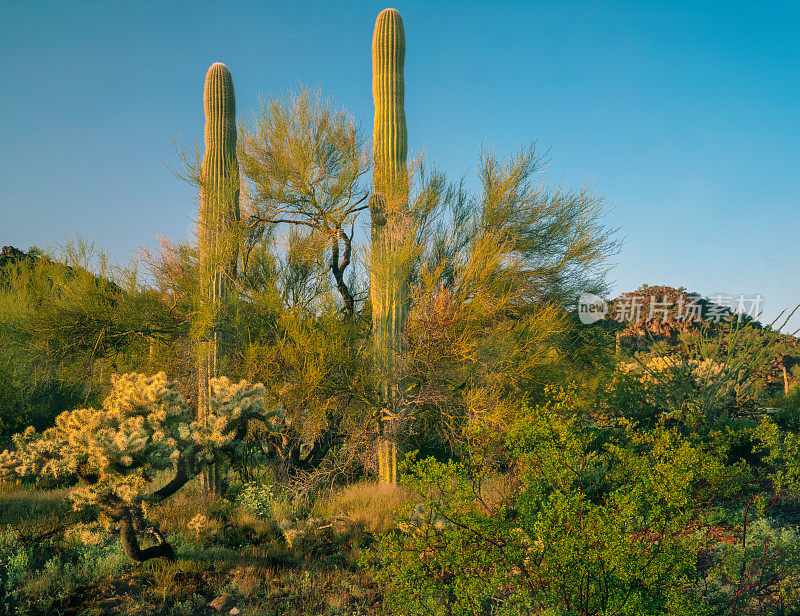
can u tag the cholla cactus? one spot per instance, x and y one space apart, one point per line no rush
219 218
389 291
231 405
111 449
143 426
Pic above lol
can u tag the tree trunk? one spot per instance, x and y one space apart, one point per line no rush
130 523
130 543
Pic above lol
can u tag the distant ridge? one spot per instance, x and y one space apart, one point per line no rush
658 315
9 255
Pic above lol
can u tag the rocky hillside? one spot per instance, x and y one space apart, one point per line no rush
9 254
660 315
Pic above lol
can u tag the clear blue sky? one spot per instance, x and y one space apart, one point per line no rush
684 115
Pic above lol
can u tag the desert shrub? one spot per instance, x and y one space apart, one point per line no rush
598 520
757 574
36 571
547 548
16 560
708 380
787 413
257 498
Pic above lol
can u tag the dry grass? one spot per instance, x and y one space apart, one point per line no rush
247 559
174 514
366 503
29 508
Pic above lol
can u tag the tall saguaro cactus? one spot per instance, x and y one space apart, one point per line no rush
390 138
388 204
219 217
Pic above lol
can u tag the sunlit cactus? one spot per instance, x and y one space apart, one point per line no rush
388 204
219 217
144 426
390 138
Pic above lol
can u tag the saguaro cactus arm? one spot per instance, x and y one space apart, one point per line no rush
219 190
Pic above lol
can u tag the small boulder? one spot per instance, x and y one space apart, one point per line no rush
223 603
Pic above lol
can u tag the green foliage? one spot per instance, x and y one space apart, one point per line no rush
24 401
256 498
36 573
787 414
303 159
581 515
488 327
16 560
66 324
296 321
546 544
707 381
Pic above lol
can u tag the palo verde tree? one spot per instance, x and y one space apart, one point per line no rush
488 327
298 302
304 161
489 279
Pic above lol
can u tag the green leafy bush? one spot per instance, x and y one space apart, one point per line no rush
256 498
16 560
589 517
